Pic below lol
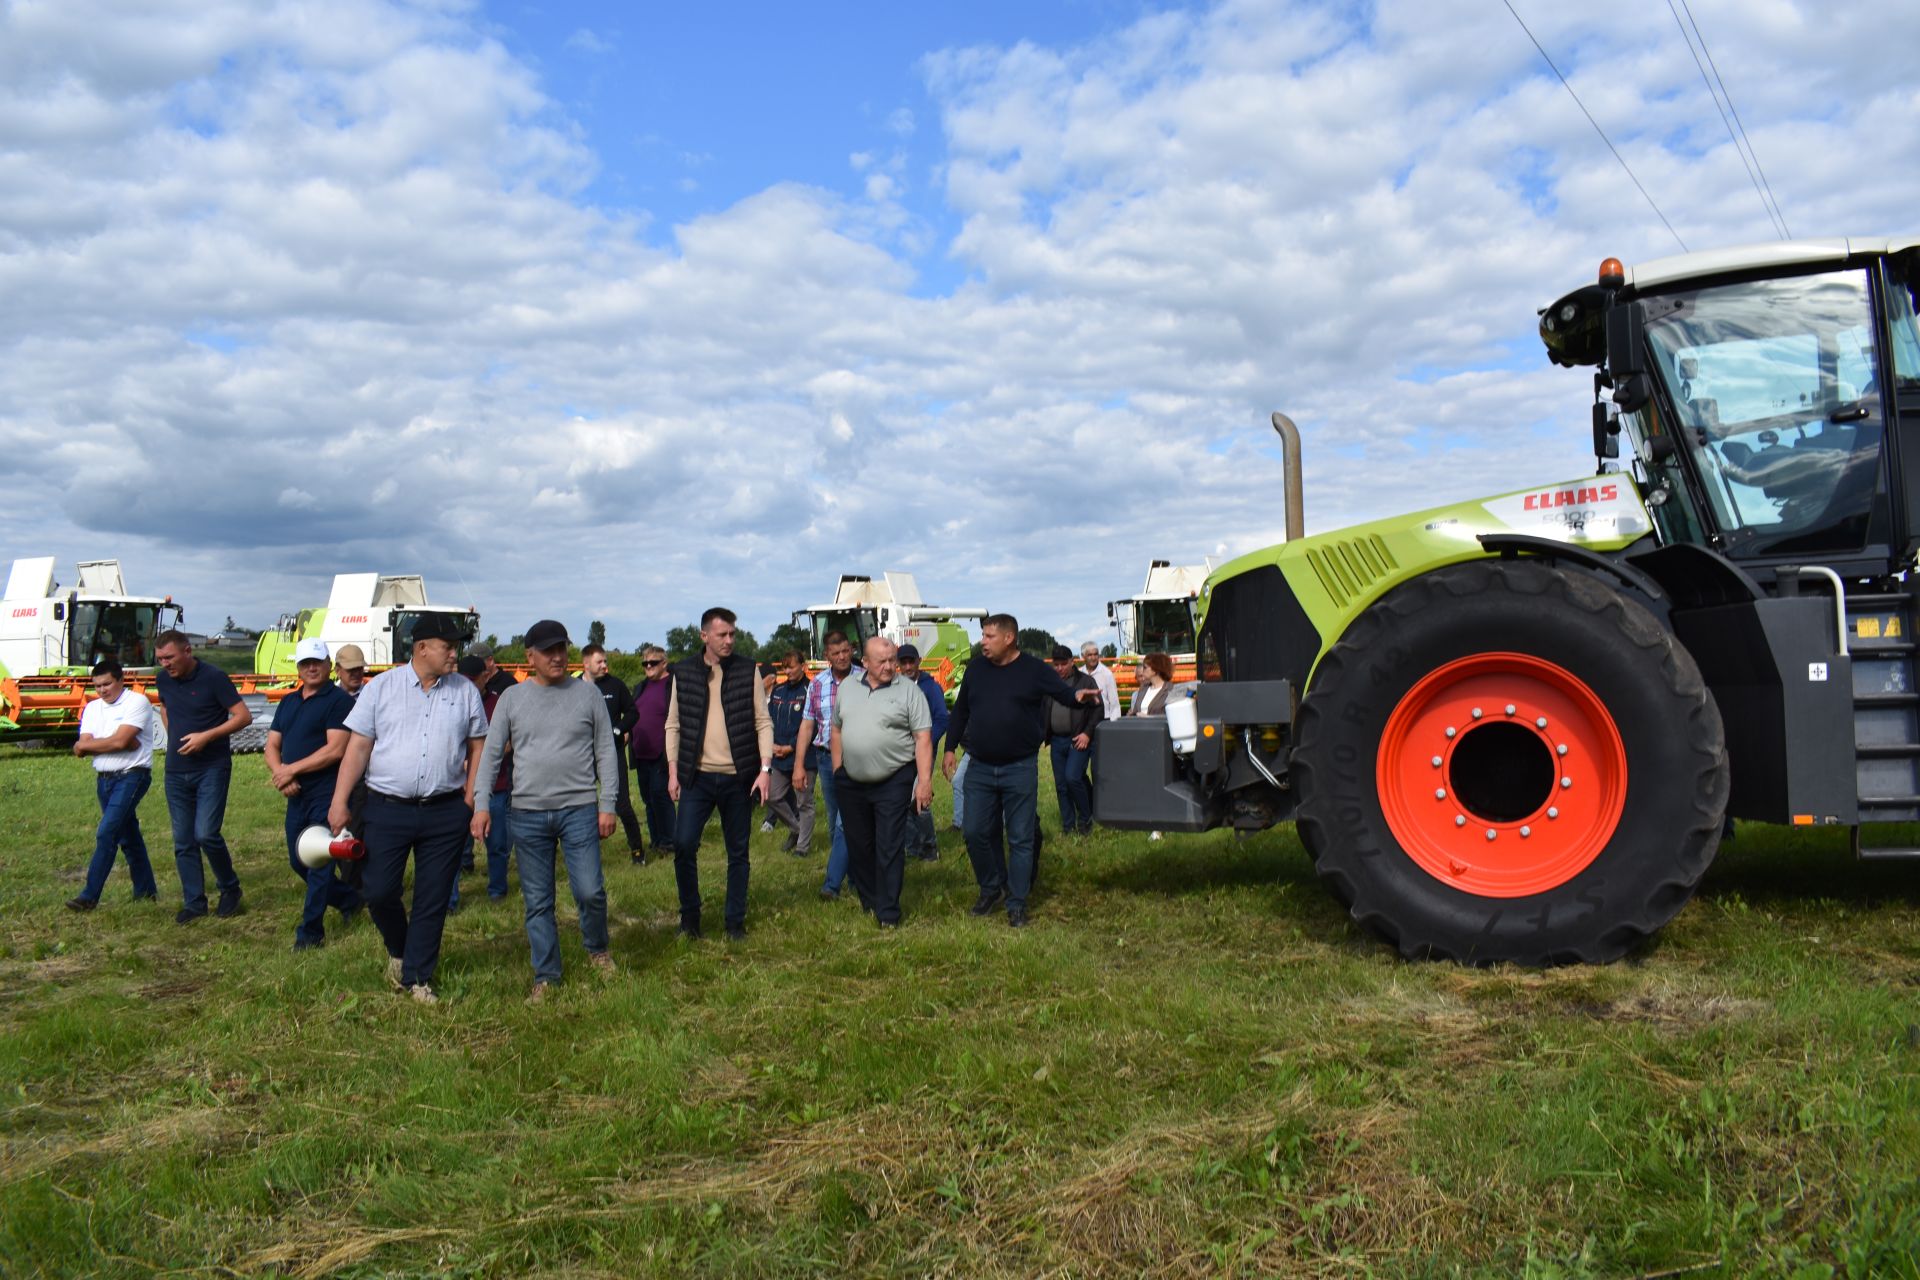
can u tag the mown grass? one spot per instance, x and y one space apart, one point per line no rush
1191 1064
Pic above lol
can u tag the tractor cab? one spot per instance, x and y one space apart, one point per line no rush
1767 394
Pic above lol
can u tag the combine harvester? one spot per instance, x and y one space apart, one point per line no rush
50 639
1163 618
892 608
376 611
1512 729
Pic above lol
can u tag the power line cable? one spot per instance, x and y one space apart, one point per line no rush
1778 226
1596 128
1778 211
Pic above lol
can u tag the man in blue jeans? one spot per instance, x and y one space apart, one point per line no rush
304 746
566 784
997 716
816 728
719 758
1070 738
494 794
116 731
202 710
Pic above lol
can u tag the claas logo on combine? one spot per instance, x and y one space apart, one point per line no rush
26 613
354 617
1570 497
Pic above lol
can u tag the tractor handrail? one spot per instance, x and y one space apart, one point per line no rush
1839 598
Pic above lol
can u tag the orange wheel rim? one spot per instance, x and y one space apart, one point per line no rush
1502 775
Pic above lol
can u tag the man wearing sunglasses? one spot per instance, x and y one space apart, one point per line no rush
647 744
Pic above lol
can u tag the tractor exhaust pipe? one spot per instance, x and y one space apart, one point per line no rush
1290 469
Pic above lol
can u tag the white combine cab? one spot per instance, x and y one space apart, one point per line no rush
1161 618
375 611
45 630
892 607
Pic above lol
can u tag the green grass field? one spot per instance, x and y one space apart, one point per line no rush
1191 1064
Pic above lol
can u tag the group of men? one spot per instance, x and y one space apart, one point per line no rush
438 752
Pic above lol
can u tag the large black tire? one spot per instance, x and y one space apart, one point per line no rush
1676 774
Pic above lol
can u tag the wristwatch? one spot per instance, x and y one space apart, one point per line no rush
766 768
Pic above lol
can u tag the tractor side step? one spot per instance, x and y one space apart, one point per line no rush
1882 853
1886 751
1886 709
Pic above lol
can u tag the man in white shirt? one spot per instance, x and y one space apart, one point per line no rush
116 731
1103 678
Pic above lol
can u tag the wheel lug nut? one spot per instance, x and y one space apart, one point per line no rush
1459 820
1436 762
1525 832
1541 723
1561 749
1476 713
1491 833
1439 793
1565 783
1451 731
1553 813
1511 708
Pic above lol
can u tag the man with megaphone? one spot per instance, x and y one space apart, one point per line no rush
305 743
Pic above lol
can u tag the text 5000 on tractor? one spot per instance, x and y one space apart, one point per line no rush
1512 729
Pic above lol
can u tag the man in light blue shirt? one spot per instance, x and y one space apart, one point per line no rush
417 731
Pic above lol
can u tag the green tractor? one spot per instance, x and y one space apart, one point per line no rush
1513 729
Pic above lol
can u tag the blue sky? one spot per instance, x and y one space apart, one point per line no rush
619 311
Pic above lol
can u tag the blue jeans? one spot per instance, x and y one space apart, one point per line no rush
499 843
197 802
1001 800
1070 786
535 834
836 827
700 795
960 794
119 795
652 778
325 888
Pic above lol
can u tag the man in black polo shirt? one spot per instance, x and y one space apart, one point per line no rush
304 746
620 713
202 710
998 716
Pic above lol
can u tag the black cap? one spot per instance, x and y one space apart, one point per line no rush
545 634
471 666
907 653
1062 654
437 626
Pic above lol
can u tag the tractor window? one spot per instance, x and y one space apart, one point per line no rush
105 630
1774 383
1906 334
1166 626
404 621
859 624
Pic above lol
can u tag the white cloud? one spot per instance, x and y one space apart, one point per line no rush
318 281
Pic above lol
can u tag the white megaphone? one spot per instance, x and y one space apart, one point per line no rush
318 846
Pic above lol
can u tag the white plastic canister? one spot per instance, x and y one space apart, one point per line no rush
1183 723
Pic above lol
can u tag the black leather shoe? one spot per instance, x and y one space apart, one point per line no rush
308 944
736 933
81 904
690 930
187 915
229 904
989 899
829 895
1017 917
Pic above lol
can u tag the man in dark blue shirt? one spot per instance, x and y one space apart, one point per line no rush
202 710
304 746
998 717
922 842
787 706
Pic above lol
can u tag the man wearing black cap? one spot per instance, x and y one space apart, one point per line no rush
491 679
566 776
1070 737
922 842
417 731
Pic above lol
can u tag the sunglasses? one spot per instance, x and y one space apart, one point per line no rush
654 662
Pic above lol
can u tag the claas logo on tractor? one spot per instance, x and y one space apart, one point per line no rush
1571 497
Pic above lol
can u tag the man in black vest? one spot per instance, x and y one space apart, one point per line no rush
719 755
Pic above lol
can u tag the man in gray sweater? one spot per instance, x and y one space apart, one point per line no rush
565 785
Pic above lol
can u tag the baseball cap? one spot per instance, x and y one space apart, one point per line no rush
907 653
1062 654
480 649
349 658
471 666
545 634
311 649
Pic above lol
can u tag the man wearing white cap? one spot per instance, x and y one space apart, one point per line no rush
304 745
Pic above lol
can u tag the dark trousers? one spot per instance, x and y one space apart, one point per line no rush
651 775
119 796
1070 786
875 815
197 803
623 802
435 834
1001 803
700 796
325 887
